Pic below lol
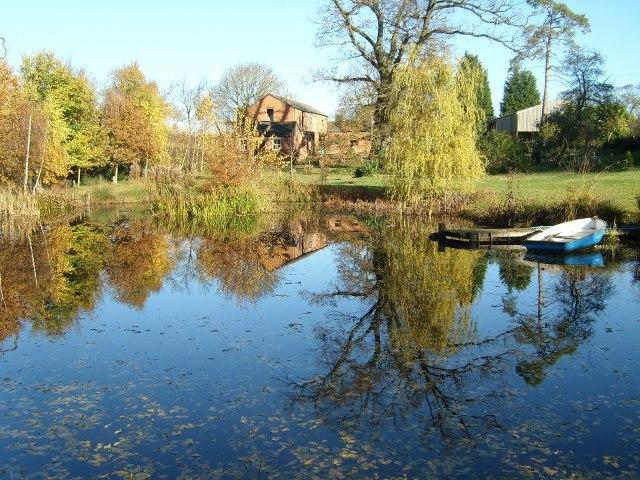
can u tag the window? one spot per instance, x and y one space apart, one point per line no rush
270 114
277 143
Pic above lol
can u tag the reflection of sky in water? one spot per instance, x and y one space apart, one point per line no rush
200 384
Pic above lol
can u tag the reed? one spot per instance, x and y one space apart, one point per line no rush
519 212
222 209
19 213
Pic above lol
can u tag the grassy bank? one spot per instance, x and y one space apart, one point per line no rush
520 199
618 187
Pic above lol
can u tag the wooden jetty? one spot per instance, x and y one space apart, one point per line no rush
509 236
485 236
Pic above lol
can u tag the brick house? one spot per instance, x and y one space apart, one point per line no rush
290 126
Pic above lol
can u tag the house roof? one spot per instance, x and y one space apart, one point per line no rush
299 105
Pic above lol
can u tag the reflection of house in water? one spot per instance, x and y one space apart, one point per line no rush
281 248
300 238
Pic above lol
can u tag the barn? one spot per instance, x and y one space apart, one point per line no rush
523 122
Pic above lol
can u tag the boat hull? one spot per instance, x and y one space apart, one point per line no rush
587 241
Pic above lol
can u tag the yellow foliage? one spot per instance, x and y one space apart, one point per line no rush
432 125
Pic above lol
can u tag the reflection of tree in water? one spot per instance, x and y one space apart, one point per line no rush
237 266
138 263
515 274
396 357
564 319
49 277
246 267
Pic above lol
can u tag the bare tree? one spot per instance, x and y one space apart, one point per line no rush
243 85
188 99
558 24
376 36
629 95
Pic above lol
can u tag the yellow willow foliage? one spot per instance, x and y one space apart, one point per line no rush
426 294
432 125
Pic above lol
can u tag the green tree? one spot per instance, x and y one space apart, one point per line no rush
69 100
376 38
520 91
483 92
589 117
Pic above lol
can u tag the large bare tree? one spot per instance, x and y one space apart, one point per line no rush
376 36
243 85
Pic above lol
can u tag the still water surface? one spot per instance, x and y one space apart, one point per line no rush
314 346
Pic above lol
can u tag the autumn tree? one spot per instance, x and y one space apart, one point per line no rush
557 28
135 118
206 119
69 100
13 139
243 85
32 134
520 91
376 37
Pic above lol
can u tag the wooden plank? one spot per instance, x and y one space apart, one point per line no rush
489 235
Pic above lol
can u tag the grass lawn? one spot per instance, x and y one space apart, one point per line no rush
619 187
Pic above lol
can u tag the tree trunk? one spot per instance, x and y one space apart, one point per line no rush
115 175
26 157
380 130
4 304
547 75
78 184
146 166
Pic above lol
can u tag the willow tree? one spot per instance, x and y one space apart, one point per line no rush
433 129
374 38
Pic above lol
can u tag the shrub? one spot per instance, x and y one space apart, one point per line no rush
505 153
628 160
369 167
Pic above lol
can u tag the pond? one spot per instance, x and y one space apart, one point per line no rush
311 346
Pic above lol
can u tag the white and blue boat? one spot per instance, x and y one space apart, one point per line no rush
568 237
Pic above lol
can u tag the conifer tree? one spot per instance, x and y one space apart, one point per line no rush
520 91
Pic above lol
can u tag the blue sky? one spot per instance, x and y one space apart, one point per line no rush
199 39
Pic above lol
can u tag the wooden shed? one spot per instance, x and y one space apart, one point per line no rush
523 121
292 127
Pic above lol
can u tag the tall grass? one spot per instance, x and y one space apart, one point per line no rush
19 213
225 208
578 201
